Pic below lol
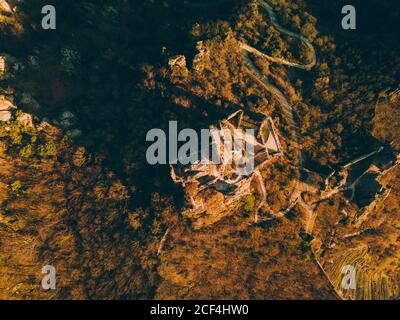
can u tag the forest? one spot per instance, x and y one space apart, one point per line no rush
77 192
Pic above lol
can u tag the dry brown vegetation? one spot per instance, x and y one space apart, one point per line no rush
94 209
368 239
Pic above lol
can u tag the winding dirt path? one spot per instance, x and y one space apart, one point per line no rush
300 188
274 21
287 109
286 106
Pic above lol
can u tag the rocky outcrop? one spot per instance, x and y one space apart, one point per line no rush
4 6
178 66
6 108
214 186
178 61
8 112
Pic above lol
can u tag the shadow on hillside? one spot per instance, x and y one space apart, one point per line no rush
92 66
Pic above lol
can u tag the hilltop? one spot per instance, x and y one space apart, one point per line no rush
76 190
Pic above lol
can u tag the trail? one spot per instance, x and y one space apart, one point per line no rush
300 188
362 158
284 102
286 106
274 21
287 109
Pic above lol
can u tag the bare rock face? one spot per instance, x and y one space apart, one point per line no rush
5 109
26 119
5 116
5 105
4 6
177 61
178 66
